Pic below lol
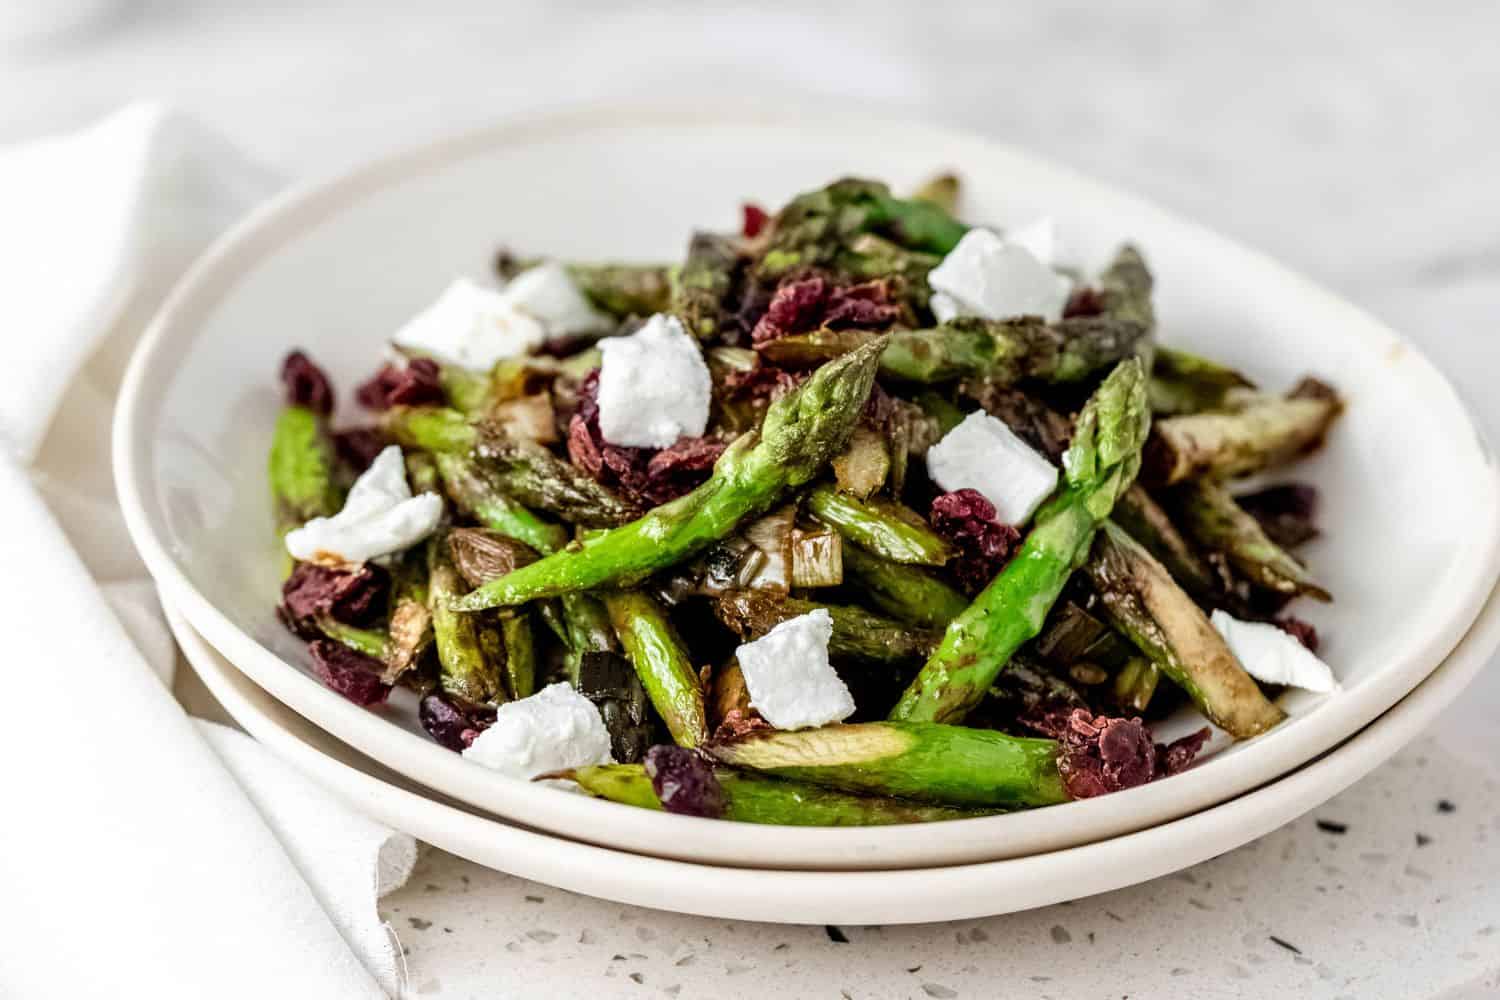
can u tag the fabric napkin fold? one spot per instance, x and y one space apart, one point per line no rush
142 853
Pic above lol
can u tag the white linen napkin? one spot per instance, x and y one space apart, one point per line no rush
140 854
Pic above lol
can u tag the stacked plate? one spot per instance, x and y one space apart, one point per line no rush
1412 506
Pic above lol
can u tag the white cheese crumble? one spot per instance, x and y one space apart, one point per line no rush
790 680
547 294
472 327
555 729
1271 655
997 277
985 455
379 517
654 386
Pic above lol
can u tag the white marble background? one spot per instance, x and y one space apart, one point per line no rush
1359 142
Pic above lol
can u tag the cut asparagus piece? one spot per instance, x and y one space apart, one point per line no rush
887 529
1209 513
1100 465
1185 383
857 634
941 191
476 493
520 655
701 287
303 475
471 651
802 431
1146 605
906 593
929 762
749 798
1150 524
619 289
663 664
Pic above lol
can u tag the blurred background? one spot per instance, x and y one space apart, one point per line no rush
1359 142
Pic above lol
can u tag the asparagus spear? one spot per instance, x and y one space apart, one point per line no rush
1209 513
941 191
1264 432
1099 465
906 593
885 528
1125 291
520 655
471 653
369 641
302 469
663 664
1185 383
857 634
750 798
1136 683
703 283
475 493
1006 351
801 432
525 471
619 289
1144 603
925 761
1148 523
586 629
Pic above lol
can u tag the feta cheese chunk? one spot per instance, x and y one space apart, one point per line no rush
472 327
555 729
790 680
990 276
654 386
1271 655
548 295
985 455
379 517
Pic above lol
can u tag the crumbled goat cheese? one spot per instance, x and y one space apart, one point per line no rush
379 517
993 277
654 386
985 455
790 680
1268 654
547 294
472 327
555 729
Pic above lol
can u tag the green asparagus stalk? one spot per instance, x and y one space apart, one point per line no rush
801 432
1210 515
369 641
662 662
1148 523
703 283
525 471
475 492
905 593
883 527
586 629
750 798
520 655
1185 383
1144 603
1265 432
619 289
471 653
1005 351
941 191
925 761
1125 287
304 483
1136 683
1099 466
857 634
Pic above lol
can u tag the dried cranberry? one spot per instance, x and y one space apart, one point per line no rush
359 446
1084 302
1178 755
684 782
755 220
415 383
306 385
807 304
352 595
353 675
643 475
967 519
1304 632
761 382
452 725
1099 754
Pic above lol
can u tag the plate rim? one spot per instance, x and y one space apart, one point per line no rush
307 204
886 896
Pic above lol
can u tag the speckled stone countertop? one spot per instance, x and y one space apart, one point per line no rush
1355 141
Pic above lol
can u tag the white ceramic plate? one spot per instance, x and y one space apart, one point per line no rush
837 897
1410 491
